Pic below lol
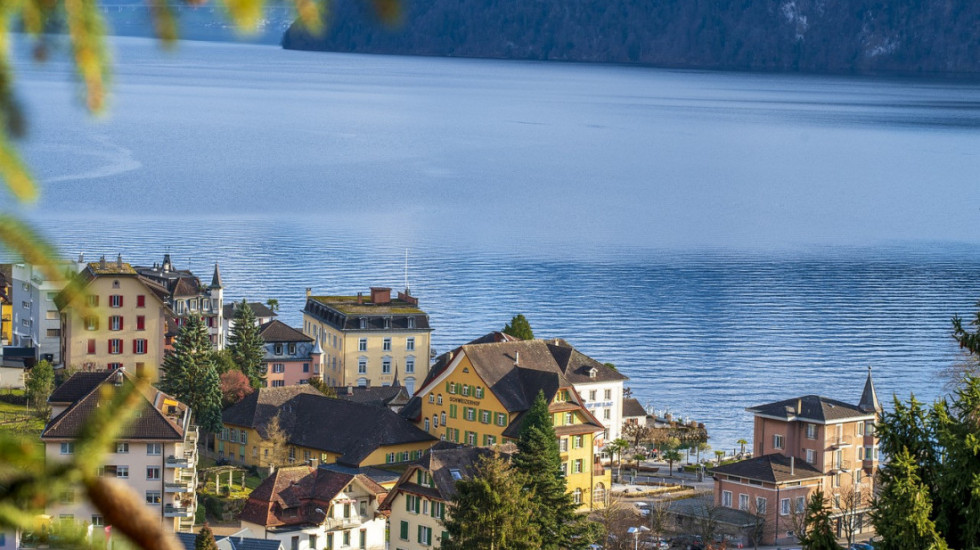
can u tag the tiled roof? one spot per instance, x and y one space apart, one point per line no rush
377 475
150 423
379 396
78 386
444 462
344 313
312 420
300 489
349 305
809 407
277 331
578 367
231 543
258 308
633 408
869 397
772 468
187 286
110 268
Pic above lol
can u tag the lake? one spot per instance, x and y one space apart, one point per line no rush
726 239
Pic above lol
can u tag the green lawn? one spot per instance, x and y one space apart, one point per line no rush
16 420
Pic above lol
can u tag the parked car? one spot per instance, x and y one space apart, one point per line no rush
643 508
655 544
688 542
861 546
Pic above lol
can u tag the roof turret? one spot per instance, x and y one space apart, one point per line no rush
869 398
216 278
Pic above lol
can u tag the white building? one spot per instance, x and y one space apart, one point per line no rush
156 456
263 315
36 323
600 386
309 508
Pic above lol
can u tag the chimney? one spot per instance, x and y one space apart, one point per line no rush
314 463
119 261
517 358
308 291
380 295
799 406
81 257
792 465
102 262
360 298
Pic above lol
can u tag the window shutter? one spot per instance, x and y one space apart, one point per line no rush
134 345
404 530
120 300
91 345
408 503
420 534
141 301
120 322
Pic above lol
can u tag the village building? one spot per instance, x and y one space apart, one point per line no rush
394 397
156 455
317 429
418 504
633 412
599 385
290 357
477 394
368 339
186 296
231 542
263 314
307 508
35 322
802 445
118 319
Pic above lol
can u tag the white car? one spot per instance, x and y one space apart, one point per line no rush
643 508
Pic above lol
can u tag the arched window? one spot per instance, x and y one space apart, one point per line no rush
362 382
599 494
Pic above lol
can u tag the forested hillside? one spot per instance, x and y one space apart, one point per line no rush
864 36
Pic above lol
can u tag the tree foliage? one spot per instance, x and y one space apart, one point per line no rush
489 510
246 345
277 442
818 530
190 376
319 385
205 539
553 510
234 387
901 514
519 328
38 386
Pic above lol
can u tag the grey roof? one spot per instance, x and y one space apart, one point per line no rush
699 507
345 313
277 331
216 278
231 543
310 419
869 397
632 408
78 386
375 474
774 468
813 408
379 396
258 308
579 367
441 462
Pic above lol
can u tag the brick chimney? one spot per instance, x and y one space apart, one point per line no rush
380 295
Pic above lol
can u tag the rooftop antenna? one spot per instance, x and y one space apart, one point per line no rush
406 273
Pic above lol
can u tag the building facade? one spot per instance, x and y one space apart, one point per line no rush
477 394
156 456
802 445
186 295
119 320
599 385
261 311
35 322
290 357
308 508
370 340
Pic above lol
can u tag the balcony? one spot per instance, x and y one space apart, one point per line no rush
841 465
171 511
182 485
840 443
183 461
191 437
345 523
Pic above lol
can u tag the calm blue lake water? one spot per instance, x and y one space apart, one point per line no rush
726 239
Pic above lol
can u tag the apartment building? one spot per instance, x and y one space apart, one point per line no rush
125 319
290 357
307 508
186 295
35 322
370 340
263 314
477 394
802 445
156 455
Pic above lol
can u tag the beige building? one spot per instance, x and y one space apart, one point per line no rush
157 455
124 323
370 340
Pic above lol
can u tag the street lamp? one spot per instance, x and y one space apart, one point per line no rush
635 531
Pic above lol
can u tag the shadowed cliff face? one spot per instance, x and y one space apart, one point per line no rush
863 36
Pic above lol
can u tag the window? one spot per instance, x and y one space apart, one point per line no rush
386 366
386 344
51 314
67 497
577 442
466 390
91 346
153 497
139 346
607 414
726 499
760 505
278 349
485 417
244 436
743 501
362 366
97 521
154 449
478 392
115 322
140 322
91 323
115 346
451 387
811 456
152 472
115 300
278 383
403 532
92 301
409 366
425 535
141 301
471 438
362 344
435 420
564 468
784 507
114 366
426 424
563 445
577 466
438 399
442 417
412 504
592 395
811 431
501 419
312 542
469 413
608 395
411 322
577 496
432 398
452 411
67 448
306 367
489 440
777 441
362 539
278 367
347 533
568 418
410 344
122 447
800 504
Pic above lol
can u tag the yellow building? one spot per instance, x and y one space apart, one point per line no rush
6 312
370 340
126 323
317 429
477 394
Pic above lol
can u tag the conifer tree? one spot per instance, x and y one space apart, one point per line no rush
205 539
38 386
901 513
818 531
519 328
489 510
553 511
190 376
246 345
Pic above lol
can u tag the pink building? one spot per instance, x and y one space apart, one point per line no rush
291 357
801 445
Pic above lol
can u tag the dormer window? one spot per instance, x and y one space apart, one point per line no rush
363 323
387 322
115 284
411 322
593 372
278 349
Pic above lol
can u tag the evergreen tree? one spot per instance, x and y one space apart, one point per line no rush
488 510
519 328
553 511
189 374
246 346
38 386
205 539
901 513
818 531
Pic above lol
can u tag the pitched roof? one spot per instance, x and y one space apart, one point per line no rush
231 542
151 423
310 419
277 331
78 386
633 408
774 468
95 270
578 367
258 308
869 397
813 408
446 463
297 488
216 278
379 396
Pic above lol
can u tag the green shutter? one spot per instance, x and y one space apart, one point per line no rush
404 530
408 503
445 536
418 503
420 534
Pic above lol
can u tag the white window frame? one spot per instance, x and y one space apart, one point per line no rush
726 499
778 441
